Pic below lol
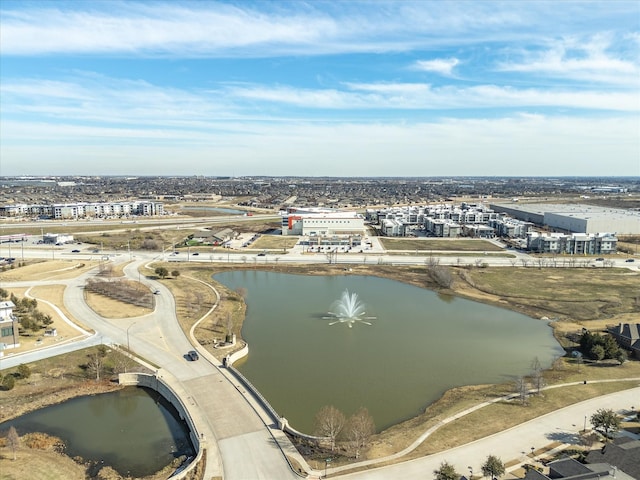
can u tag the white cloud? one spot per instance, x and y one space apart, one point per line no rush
417 96
443 66
587 60
519 145
198 29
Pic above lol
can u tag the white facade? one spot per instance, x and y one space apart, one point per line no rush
576 218
574 244
322 222
9 337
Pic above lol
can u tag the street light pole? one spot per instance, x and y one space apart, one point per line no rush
128 344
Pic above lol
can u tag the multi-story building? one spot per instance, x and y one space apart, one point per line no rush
574 244
321 222
72 211
9 337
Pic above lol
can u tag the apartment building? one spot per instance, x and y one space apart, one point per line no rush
574 244
72 211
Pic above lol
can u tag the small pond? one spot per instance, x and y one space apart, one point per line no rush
218 210
133 430
418 345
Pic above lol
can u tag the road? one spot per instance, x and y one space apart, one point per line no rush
244 447
513 444
240 445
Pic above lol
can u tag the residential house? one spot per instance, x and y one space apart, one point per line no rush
571 469
627 335
623 452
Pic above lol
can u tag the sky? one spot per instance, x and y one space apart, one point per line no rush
314 88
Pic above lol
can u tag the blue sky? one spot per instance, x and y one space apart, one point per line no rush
312 88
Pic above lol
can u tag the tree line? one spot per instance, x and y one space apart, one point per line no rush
354 431
26 310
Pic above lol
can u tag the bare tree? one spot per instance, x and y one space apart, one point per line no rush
359 429
441 276
122 364
520 387
242 292
329 422
537 377
96 364
13 440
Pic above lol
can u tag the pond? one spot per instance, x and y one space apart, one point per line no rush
218 210
134 430
418 345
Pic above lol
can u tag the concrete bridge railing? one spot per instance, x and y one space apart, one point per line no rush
155 382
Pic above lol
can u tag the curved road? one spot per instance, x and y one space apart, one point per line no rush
239 446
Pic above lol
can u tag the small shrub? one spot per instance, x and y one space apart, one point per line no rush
9 382
42 441
24 371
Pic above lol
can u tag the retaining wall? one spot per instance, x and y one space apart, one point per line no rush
159 385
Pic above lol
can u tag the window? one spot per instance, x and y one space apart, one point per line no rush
6 332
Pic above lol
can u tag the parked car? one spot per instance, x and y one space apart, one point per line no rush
193 355
599 259
629 260
195 253
75 251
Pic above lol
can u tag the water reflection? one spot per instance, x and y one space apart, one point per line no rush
130 430
419 346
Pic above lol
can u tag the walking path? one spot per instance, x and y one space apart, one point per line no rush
561 426
232 442
430 431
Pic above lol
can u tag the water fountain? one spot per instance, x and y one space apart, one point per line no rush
348 309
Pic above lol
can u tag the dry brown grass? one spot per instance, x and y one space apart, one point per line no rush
113 308
274 242
47 270
53 294
436 244
529 282
497 416
38 465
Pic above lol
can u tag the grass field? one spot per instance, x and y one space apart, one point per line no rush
438 244
578 296
278 243
571 293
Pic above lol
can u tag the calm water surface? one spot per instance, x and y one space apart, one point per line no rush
130 430
225 211
419 345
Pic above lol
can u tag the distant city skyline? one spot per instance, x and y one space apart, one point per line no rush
344 88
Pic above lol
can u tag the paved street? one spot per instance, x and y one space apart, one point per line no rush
241 446
513 444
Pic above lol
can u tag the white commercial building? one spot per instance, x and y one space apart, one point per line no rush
321 222
575 218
